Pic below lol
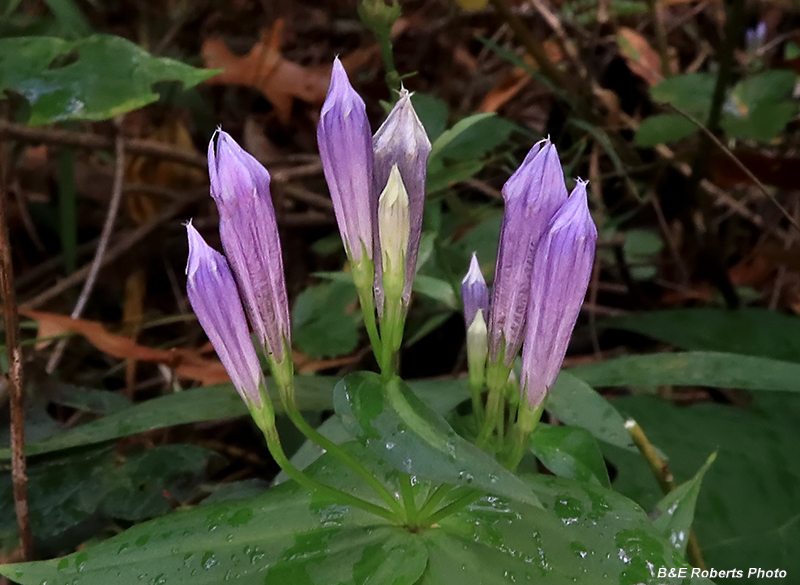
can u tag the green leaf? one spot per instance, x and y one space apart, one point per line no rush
584 534
448 136
191 406
395 424
767 88
109 76
663 129
432 113
575 403
570 452
764 122
325 321
749 507
641 249
691 92
757 332
675 511
699 368
282 536
436 289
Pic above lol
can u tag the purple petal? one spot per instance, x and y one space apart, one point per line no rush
401 140
474 291
532 196
345 146
561 273
249 234
215 300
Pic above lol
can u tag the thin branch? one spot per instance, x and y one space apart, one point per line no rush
666 481
656 13
132 238
11 318
105 236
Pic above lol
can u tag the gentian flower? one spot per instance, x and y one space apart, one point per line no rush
215 299
474 292
561 272
249 234
532 195
393 225
345 147
401 140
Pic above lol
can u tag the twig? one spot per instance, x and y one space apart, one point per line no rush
105 236
750 175
114 252
96 142
666 481
11 319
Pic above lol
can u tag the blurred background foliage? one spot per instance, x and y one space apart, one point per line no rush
682 114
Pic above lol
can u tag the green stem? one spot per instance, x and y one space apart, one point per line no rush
477 402
433 500
312 434
527 419
496 379
409 500
266 422
454 506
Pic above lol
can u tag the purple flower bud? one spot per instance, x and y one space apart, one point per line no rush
249 234
474 292
215 300
561 273
345 146
532 196
401 140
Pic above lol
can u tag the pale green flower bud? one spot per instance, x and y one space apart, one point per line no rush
477 349
393 228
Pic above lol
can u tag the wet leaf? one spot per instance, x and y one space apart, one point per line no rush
694 368
575 403
395 424
98 77
570 452
583 534
676 509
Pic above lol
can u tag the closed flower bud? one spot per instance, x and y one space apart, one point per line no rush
561 273
401 140
477 349
345 147
393 226
215 299
474 292
532 195
249 234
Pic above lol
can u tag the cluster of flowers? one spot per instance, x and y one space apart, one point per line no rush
377 185
544 264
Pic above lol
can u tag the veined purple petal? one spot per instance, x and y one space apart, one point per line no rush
561 273
474 291
401 140
345 146
249 234
532 196
215 300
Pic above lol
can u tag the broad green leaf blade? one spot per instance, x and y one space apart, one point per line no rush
695 368
396 425
691 92
282 536
191 406
109 76
749 507
748 331
322 325
663 128
448 136
570 452
575 403
676 509
583 535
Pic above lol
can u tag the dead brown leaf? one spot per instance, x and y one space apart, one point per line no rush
642 59
186 363
511 84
